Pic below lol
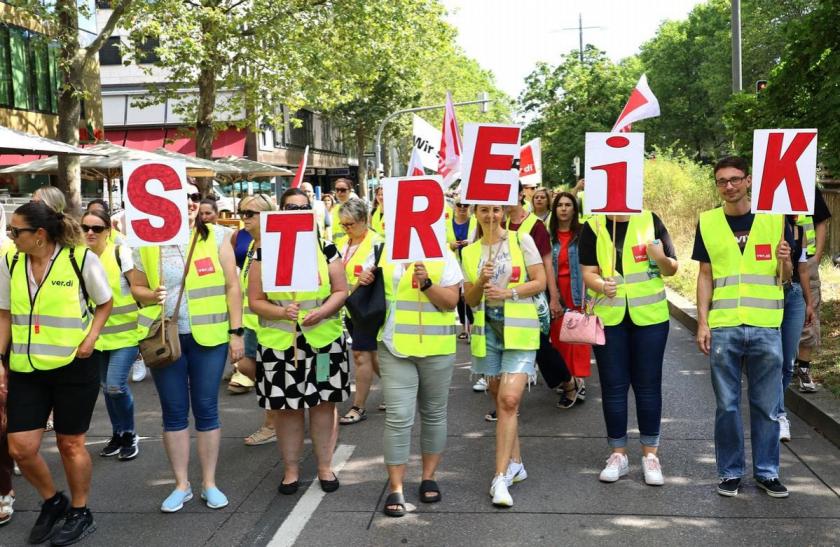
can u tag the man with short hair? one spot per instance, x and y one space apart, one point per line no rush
343 188
740 303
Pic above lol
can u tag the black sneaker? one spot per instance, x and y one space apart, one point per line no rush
77 525
51 513
129 446
773 487
728 487
112 448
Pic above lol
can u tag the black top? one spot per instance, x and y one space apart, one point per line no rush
740 226
588 239
821 212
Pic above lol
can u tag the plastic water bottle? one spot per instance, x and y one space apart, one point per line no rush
653 267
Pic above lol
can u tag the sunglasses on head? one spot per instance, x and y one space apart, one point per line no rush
94 229
294 207
15 232
194 197
248 214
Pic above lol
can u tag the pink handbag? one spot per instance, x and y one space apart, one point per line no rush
582 327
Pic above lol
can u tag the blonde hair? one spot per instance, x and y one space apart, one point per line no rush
260 202
53 197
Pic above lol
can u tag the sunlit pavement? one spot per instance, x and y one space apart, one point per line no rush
562 500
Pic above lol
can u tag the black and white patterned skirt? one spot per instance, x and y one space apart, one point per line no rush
282 386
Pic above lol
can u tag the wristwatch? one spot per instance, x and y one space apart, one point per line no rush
514 295
426 284
238 332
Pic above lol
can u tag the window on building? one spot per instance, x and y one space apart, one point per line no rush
29 75
18 44
5 69
148 54
110 52
301 133
103 4
41 74
54 76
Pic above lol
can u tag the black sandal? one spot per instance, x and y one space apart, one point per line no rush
429 487
329 485
394 498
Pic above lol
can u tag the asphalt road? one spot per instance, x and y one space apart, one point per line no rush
562 501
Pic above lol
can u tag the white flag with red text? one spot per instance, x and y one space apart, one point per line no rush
415 164
642 104
449 162
301 169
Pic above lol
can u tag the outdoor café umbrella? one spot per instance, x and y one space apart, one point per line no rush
18 142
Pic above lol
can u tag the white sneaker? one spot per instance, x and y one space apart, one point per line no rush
499 492
784 429
480 385
653 471
138 370
617 467
515 473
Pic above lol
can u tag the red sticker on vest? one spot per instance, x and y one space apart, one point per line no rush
414 284
763 252
357 270
640 253
204 266
515 274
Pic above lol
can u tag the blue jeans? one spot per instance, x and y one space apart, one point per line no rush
758 350
113 377
632 356
194 378
794 320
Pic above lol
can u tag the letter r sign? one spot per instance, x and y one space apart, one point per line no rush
415 207
784 171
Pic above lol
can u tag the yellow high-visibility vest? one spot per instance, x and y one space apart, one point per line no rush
120 331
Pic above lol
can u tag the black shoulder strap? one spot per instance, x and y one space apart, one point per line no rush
79 274
14 263
377 253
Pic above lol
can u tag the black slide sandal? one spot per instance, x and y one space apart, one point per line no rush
394 498
429 487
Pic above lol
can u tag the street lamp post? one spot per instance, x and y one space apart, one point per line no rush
378 144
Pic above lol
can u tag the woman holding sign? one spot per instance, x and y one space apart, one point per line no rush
624 271
302 358
504 270
361 241
211 305
119 336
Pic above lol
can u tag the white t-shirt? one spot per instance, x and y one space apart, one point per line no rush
93 274
501 257
452 275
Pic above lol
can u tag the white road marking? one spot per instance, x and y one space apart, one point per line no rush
294 524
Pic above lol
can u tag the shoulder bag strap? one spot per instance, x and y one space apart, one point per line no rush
174 317
79 276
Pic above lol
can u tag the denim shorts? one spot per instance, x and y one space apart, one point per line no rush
250 341
499 360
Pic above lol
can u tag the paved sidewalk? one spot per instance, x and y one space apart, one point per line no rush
561 502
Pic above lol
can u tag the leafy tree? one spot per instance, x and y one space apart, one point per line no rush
569 100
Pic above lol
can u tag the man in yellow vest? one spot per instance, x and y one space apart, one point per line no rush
743 258
815 231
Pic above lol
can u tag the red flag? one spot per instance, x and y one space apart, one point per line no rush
301 169
449 160
642 104
415 165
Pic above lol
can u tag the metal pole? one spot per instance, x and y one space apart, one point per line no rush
580 36
737 84
392 115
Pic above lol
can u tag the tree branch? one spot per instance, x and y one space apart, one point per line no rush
108 29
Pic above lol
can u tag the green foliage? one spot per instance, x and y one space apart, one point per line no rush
566 101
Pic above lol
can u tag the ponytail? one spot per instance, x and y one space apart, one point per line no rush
61 229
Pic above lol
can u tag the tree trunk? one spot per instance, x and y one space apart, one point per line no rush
69 104
207 89
360 153
385 154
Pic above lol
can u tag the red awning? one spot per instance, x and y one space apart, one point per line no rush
7 160
115 136
180 143
230 142
144 139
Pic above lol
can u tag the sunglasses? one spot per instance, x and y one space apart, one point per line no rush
248 214
94 229
15 232
195 197
293 207
341 190
462 205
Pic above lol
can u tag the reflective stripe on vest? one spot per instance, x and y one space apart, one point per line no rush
278 334
638 290
807 223
204 291
745 290
420 328
249 318
120 330
522 326
46 335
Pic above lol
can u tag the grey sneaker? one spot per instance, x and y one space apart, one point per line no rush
806 383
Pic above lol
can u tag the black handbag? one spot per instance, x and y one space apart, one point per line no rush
366 304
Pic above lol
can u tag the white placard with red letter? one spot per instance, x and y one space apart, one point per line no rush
289 246
614 173
487 173
784 171
156 203
415 207
530 163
